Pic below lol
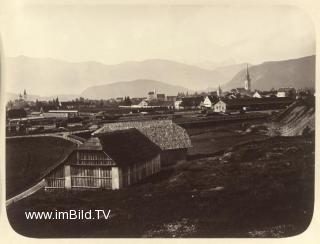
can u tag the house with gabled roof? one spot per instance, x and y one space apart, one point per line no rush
209 101
172 139
110 160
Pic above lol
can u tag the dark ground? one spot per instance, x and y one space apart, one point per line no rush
28 158
260 189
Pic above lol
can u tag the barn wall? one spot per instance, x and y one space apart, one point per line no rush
56 178
171 157
81 176
91 177
134 173
90 158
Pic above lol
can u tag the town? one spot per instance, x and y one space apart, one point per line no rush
173 120
32 117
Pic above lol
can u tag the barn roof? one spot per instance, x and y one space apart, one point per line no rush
255 101
92 143
164 133
128 146
125 147
213 99
157 103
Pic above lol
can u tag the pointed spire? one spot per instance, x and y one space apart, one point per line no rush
219 92
248 80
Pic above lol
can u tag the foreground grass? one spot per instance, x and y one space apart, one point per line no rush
260 189
28 158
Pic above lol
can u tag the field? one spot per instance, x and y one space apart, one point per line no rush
208 140
259 189
28 158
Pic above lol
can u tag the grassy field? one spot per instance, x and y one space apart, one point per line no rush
28 158
211 139
261 189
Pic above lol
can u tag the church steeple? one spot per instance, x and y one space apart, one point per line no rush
219 91
25 95
247 83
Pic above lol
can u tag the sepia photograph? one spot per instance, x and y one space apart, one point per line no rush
158 121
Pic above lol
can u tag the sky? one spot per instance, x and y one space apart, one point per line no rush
193 34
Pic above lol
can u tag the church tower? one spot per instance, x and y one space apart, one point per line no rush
219 91
247 83
25 95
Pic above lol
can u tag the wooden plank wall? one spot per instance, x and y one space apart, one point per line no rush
137 172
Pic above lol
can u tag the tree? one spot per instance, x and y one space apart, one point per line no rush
127 101
10 105
57 101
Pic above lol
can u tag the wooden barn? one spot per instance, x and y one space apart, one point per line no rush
172 139
110 161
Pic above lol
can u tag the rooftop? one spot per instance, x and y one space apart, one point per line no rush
164 133
128 146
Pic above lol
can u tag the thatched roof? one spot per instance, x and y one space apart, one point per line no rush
164 133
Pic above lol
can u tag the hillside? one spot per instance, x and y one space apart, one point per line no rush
45 75
136 88
27 158
263 189
295 119
298 73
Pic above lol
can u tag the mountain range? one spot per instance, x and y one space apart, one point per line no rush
41 75
52 77
297 73
136 88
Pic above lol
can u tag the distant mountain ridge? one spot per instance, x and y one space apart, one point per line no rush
43 75
297 73
37 75
136 88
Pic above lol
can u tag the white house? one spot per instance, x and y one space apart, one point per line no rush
177 104
257 95
143 104
209 101
285 92
219 107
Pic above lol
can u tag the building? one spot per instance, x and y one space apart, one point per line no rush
109 161
153 104
142 104
119 99
172 139
247 82
177 105
209 101
31 124
161 104
241 92
161 97
25 96
257 104
261 94
152 95
286 92
194 102
219 107
219 91
74 122
61 113
171 98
